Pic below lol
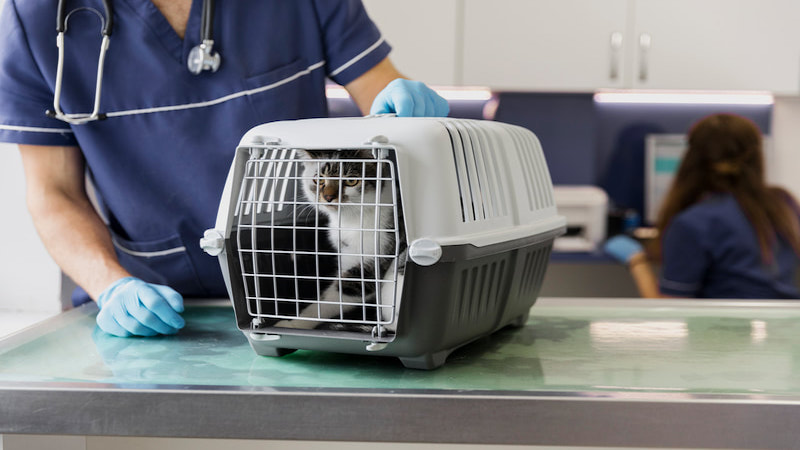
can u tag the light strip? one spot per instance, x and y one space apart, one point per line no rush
467 93
336 92
686 97
464 93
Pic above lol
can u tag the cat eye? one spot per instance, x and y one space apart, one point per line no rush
351 182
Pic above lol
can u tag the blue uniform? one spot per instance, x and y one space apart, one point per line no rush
160 160
710 250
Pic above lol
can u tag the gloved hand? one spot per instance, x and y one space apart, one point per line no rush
131 307
622 248
409 98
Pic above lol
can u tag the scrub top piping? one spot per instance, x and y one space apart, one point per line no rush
35 129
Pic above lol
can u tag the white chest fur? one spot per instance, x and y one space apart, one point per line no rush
361 233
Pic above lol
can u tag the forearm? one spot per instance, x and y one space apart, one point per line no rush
66 221
78 241
643 276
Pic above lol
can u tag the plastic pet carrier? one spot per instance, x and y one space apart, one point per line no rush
404 237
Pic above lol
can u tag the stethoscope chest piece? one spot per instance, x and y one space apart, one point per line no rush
203 57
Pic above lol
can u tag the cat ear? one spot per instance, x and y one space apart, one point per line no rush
364 154
302 154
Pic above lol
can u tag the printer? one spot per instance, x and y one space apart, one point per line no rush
586 211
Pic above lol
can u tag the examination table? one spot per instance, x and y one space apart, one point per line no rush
582 372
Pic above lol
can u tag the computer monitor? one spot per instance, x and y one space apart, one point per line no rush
663 155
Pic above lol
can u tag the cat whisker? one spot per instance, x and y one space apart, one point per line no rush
305 213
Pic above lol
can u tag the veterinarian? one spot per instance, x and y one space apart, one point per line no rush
724 232
146 100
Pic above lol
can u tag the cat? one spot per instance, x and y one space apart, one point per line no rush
341 186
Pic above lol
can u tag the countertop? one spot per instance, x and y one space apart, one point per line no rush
602 372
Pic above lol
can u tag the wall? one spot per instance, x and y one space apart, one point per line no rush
29 279
566 126
786 142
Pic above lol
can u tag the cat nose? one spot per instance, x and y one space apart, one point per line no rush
328 197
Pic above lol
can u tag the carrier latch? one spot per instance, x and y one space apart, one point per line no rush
212 242
425 252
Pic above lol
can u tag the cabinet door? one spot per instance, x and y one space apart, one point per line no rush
546 45
423 35
717 44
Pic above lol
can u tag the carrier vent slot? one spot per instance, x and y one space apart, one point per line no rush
534 167
534 267
480 289
480 183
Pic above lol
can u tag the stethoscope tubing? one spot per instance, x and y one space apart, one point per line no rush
108 18
79 119
207 25
107 28
209 60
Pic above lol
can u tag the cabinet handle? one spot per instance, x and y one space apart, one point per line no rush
645 42
616 48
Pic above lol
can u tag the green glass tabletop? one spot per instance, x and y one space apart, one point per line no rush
580 345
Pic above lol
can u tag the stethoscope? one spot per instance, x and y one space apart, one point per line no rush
202 57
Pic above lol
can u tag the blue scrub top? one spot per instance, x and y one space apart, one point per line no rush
710 250
160 160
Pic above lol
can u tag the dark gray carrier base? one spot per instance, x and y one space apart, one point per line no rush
470 293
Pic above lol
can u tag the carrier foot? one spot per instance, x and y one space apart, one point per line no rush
275 351
264 349
426 362
520 320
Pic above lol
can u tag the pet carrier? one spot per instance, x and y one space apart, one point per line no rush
404 237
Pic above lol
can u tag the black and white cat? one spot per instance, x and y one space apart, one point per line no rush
343 186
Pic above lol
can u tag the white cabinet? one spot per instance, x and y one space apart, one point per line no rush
717 44
545 45
583 45
424 36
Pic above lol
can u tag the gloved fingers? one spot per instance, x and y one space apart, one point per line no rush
172 296
421 105
403 103
435 105
624 243
622 247
106 322
133 326
144 316
379 107
441 107
118 312
155 311
430 106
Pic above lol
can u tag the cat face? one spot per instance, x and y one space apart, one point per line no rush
333 179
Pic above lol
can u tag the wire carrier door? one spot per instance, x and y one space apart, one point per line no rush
319 240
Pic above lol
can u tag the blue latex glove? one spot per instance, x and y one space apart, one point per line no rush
409 98
622 247
131 307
